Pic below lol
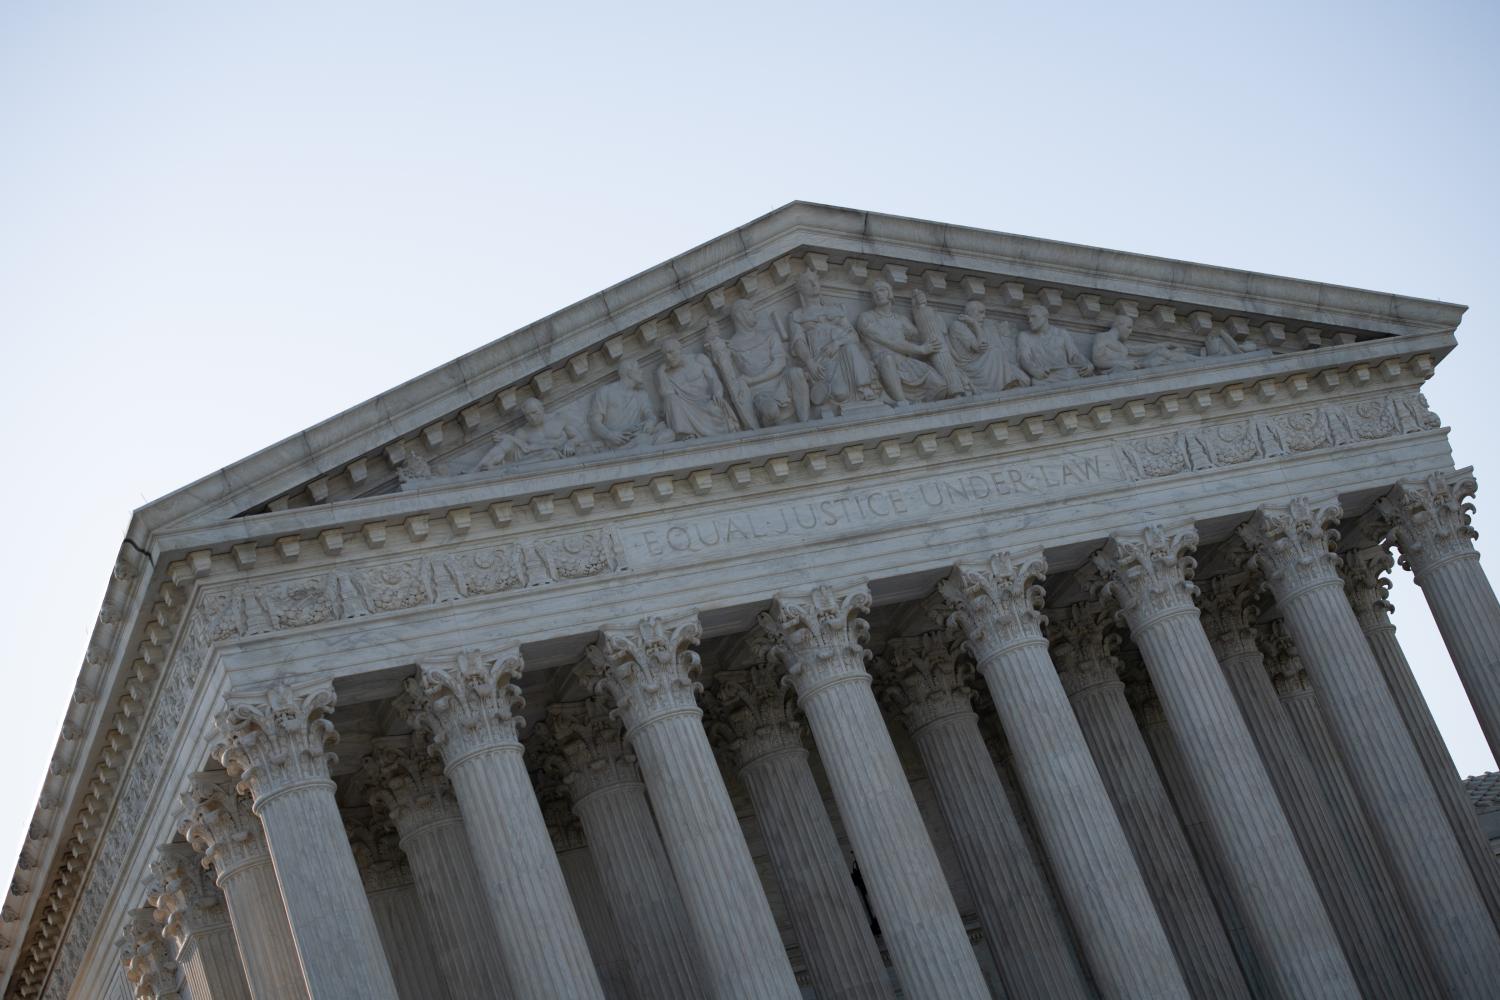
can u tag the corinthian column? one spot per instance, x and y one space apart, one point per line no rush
819 635
996 605
610 801
600 929
1292 550
1149 575
755 718
1366 585
404 932
1367 915
277 748
1083 644
220 824
406 781
649 673
1429 521
149 969
926 679
469 705
191 910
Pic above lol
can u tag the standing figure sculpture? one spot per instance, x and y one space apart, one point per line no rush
895 344
621 414
979 350
1113 351
764 386
692 397
539 439
1047 353
821 338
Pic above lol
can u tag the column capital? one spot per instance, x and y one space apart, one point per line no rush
404 778
1149 573
821 634
592 747
1430 519
1368 585
469 702
183 894
1228 607
997 603
1084 638
375 844
1282 662
143 952
1292 543
278 742
753 710
563 825
926 677
219 822
649 669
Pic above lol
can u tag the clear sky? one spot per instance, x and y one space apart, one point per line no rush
221 223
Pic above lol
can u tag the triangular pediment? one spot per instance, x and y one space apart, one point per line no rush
563 389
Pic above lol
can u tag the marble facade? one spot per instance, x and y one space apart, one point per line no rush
852 606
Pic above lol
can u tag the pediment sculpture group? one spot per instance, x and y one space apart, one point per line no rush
814 362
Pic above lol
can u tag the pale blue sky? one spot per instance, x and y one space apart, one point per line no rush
222 223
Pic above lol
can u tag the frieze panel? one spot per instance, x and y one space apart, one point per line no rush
1332 425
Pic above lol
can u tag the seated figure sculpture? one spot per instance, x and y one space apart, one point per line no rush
909 366
764 385
540 438
621 414
1046 352
1113 351
839 371
979 350
692 397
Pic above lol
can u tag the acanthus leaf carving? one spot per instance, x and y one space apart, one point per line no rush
1431 520
1293 544
1149 573
143 952
1368 586
1083 639
469 703
648 670
926 677
751 705
185 897
997 604
821 635
219 823
1229 606
404 779
279 741
592 747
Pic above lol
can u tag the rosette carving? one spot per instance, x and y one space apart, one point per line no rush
1431 520
648 670
997 604
592 747
279 742
219 823
1293 545
926 677
1149 573
470 703
1084 638
1229 606
821 635
183 893
405 780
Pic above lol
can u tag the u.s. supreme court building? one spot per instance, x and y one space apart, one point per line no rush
850 607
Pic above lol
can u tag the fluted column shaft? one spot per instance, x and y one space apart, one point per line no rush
820 634
1430 523
641 890
755 717
1147 575
599 926
1166 860
1366 586
277 748
211 968
1370 922
1190 815
647 671
1025 930
1291 549
1118 928
410 945
446 881
261 931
